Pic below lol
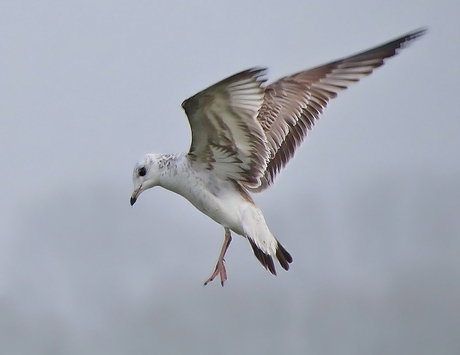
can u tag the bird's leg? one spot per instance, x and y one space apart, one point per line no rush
220 267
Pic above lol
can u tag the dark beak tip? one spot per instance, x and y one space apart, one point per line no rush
132 201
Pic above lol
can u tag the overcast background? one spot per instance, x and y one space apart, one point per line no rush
369 208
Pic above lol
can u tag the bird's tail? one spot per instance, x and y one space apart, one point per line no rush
263 243
283 256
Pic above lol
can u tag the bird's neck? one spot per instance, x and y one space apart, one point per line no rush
171 168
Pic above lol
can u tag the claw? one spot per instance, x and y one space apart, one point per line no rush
219 270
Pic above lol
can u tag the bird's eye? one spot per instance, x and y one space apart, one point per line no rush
142 171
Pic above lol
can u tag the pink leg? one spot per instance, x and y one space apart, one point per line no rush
220 267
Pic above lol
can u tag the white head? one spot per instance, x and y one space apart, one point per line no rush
146 174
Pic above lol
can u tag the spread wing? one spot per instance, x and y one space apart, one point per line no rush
226 135
293 104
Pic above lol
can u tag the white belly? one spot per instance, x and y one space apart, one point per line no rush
222 201
224 205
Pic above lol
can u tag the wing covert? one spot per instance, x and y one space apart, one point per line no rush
226 135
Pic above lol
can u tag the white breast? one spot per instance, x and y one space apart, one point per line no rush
211 195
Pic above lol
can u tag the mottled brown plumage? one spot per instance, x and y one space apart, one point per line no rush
293 104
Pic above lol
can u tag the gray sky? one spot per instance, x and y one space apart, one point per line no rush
368 207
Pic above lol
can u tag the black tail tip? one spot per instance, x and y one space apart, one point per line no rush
283 257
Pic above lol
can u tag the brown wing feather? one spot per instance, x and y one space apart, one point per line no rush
293 104
226 135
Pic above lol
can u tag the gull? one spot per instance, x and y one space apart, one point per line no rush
243 134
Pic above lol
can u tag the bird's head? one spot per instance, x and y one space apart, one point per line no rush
146 174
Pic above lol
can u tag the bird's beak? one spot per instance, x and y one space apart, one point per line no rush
135 194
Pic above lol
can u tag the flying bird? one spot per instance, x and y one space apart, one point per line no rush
243 133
